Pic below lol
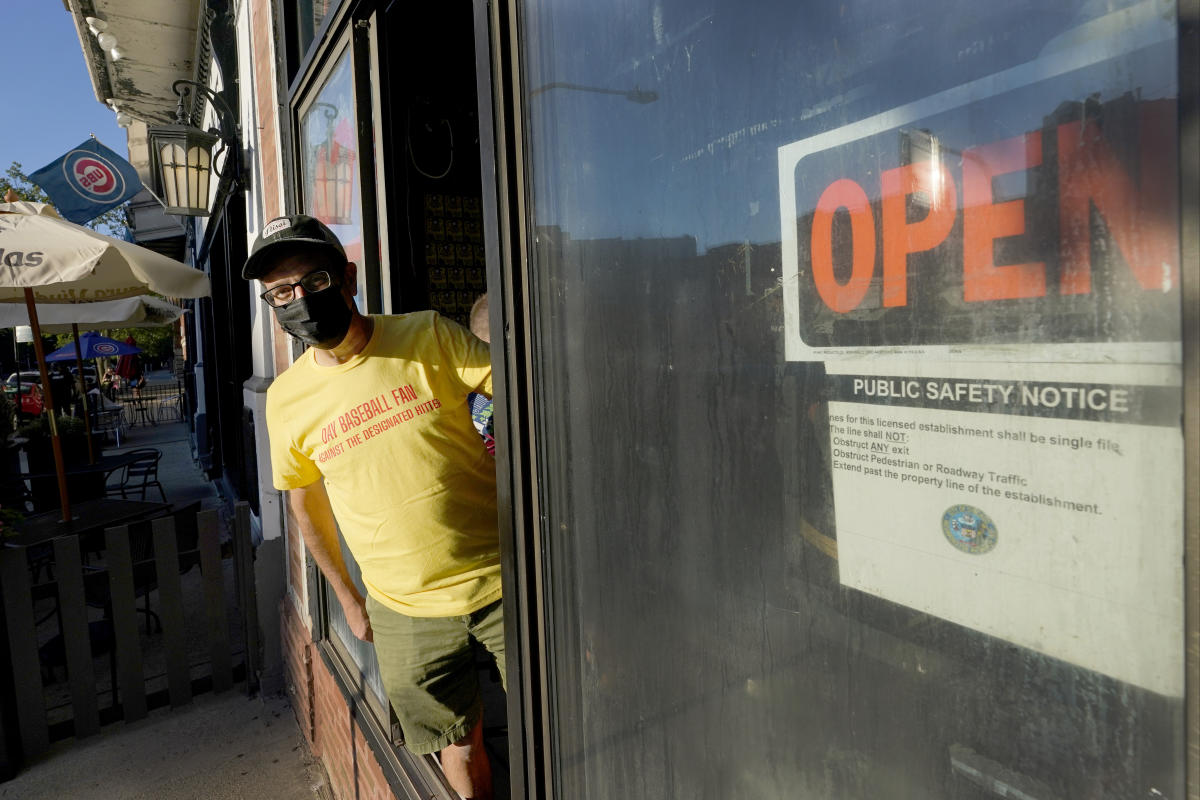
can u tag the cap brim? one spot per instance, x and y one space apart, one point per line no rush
264 260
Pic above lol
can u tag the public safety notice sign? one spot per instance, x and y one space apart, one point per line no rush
991 276
1045 512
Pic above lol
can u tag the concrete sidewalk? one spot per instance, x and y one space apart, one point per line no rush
223 747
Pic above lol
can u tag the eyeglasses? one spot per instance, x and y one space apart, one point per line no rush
316 281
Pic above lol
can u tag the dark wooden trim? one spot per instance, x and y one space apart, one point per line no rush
22 645
243 559
124 615
170 599
76 635
220 652
370 271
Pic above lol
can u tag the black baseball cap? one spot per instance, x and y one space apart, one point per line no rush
297 229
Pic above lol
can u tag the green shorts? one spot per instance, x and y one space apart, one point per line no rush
429 671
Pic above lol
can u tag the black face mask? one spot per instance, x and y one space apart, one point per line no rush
320 320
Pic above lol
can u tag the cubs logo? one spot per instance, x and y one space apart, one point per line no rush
104 349
92 176
969 529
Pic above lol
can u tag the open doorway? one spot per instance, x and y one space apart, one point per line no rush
430 168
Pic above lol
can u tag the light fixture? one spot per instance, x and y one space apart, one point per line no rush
123 120
107 40
181 155
96 25
116 53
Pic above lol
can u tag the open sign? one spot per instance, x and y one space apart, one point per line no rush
1010 211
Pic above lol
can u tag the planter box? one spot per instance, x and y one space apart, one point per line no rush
79 487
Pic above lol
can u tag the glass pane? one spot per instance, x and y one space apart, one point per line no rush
362 653
310 15
329 168
857 335
332 193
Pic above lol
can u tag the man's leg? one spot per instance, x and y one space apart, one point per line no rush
466 760
429 673
487 626
467 767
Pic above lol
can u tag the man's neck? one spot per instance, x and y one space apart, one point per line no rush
353 343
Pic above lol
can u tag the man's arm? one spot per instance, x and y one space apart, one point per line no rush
311 506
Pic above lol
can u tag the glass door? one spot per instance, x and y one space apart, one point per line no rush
849 350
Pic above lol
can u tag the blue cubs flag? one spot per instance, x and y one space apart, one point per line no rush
87 181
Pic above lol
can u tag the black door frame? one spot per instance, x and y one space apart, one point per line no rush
507 243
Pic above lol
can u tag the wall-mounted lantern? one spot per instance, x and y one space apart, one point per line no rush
182 158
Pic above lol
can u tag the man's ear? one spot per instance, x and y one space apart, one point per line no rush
352 278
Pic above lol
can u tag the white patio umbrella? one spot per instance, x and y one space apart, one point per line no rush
45 259
145 311
67 263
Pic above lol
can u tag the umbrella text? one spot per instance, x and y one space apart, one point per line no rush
18 258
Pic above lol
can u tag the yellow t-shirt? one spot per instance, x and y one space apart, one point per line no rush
411 484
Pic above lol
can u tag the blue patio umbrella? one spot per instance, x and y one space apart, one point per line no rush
93 345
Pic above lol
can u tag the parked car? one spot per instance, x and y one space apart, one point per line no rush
89 376
31 391
27 376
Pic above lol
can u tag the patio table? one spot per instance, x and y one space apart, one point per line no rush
88 516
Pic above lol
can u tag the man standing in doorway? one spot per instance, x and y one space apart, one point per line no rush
370 434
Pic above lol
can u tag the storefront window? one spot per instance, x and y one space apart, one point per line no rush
857 340
309 15
329 170
332 193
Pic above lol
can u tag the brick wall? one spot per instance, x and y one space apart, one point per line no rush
262 43
325 719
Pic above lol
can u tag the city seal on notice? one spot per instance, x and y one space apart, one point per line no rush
969 529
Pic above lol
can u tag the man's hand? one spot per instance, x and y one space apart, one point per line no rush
356 617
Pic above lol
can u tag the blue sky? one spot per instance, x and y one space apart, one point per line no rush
47 105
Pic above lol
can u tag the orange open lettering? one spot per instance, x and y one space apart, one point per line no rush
1139 218
985 221
846 194
900 237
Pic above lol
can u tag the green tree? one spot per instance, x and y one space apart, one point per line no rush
112 222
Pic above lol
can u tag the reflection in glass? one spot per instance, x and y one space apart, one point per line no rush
360 652
329 179
309 16
898 179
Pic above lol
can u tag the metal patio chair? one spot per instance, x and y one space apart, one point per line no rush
109 420
141 474
170 407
